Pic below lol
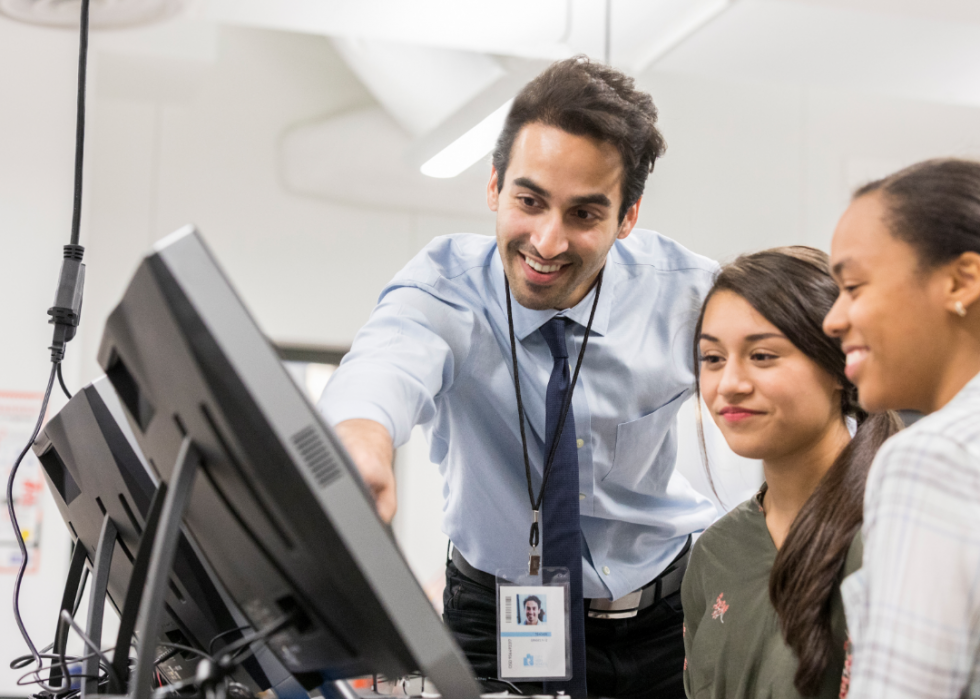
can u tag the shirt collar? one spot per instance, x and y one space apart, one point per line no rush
527 321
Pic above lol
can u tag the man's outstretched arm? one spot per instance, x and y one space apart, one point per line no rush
404 357
373 451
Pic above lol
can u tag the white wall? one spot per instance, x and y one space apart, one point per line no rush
754 164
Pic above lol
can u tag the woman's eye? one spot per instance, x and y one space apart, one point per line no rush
763 356
851 288
710 359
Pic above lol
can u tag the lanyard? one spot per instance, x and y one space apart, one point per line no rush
535 536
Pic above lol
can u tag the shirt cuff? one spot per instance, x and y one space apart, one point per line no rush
337 411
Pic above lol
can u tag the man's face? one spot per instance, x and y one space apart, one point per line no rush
557 214
531 612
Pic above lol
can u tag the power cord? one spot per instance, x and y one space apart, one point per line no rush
65 316
13 517
61 380
226 633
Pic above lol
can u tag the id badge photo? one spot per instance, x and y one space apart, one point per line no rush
533 639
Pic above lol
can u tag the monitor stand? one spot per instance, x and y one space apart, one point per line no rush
143 609
73 589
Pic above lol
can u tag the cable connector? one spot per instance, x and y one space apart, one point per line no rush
67 309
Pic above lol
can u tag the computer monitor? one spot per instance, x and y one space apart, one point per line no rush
95 469
277 507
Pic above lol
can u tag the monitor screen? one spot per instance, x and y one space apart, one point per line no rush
277 508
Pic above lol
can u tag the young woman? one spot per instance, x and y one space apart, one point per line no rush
763 614
906 255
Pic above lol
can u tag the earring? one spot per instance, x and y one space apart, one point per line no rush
960 311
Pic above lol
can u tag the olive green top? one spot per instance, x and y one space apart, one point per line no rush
735 648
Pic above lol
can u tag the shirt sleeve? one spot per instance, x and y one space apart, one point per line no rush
917 631
406 355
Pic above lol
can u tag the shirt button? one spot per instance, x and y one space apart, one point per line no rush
580 443
581 496
605 569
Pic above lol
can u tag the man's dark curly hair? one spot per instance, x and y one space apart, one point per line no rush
589 99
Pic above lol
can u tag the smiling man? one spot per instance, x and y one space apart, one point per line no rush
597 318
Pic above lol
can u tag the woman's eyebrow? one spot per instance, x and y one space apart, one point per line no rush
750 338
765 336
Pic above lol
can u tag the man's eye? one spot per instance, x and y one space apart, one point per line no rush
583 214
526 201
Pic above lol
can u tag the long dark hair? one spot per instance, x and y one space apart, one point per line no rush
934 206
792 288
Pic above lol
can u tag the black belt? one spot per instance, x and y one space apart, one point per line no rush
664 585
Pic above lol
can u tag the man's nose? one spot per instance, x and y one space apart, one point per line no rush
549 238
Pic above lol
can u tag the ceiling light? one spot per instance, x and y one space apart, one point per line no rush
468 148
104 13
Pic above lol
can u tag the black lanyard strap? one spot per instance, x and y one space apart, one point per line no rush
535 536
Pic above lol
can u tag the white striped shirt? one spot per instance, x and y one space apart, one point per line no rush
913 610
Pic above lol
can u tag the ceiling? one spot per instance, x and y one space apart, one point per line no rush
437 67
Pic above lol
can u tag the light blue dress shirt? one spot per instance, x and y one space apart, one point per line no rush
436 353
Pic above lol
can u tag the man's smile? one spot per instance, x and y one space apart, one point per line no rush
545 269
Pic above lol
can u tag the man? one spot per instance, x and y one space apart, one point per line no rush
568 172
532 611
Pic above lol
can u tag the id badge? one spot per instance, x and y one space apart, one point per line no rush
533 638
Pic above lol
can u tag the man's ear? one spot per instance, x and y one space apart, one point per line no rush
629 220
964 281
493 191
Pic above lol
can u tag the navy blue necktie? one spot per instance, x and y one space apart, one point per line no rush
562 530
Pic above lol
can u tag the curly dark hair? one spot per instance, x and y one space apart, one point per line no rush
589 99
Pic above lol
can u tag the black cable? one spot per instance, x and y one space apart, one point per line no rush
76 217
60 329
177 647
225 633
25 660
13 517
66 617
61 380
497 679
230 654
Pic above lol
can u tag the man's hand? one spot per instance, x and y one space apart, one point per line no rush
371 448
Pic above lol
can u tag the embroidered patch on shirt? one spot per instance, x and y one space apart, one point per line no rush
721 606
845 680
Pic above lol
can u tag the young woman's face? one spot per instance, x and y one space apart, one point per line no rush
890 314
768 398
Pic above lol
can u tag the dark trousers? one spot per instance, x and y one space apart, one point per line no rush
637 658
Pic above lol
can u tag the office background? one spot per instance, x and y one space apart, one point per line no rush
287 131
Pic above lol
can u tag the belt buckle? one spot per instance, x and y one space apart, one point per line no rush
625 607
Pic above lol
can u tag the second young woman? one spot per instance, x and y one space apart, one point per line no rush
762 608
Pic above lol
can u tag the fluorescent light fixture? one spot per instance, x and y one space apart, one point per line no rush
468 148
